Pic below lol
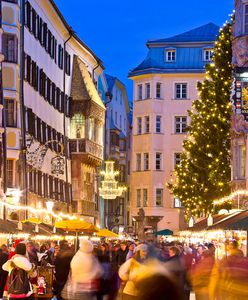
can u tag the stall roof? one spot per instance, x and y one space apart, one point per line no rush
233 222
203 224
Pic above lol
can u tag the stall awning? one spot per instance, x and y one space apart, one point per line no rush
164 232
233 222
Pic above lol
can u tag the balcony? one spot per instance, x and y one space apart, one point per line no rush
85 146
87 208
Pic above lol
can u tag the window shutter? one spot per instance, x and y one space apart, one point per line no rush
39 183
48 90
45 35
55 50
28 15
57 98
34 16
39 29
44 131
49 41
51 186
28 70
38 129
53 94
62 106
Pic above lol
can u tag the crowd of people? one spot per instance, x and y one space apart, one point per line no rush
124 270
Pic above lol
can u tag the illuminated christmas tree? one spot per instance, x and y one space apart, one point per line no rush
204 172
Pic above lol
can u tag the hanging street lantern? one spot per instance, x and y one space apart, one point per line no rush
110 188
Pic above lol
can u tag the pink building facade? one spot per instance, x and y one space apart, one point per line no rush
165 84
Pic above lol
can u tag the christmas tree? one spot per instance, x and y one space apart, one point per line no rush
204 172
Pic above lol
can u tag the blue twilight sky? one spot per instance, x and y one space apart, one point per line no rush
117 31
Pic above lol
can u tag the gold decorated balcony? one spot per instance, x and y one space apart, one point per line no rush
87 148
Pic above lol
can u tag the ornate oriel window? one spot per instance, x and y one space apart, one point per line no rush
78 126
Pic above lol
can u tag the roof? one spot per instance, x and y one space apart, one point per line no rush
69 28
110 81
189 52
207 32
231 222
83 87
203 223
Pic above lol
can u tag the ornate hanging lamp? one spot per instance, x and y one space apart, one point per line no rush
110 188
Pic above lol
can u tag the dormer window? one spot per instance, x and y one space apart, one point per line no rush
170 55
208 54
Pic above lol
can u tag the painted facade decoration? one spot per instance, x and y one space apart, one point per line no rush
239 99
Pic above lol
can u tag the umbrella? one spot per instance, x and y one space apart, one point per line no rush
164 232
107 233
32 220
76 225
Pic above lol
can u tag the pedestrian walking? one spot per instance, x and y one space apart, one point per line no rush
3 274
85 273
129 271
19 269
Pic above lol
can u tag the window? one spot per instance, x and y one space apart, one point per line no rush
147 124
145 198
139 125
61 57
170 55
10 112
158 161
67 63
181 91
246 19
146 161
10 47
138 198
138 162
158 124
180 124
158 90
148 90
177 159
159 197
10 172
239 155
208 53
139 91
177 203
120 122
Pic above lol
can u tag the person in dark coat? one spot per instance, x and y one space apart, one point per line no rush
3 274
62 268
175 267
121 254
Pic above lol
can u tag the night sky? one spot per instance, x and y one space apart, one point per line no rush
118 30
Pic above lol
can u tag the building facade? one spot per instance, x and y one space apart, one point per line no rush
164 88
54 115
239 141
117 145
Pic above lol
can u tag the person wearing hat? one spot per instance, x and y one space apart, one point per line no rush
84 278
20 260
130 270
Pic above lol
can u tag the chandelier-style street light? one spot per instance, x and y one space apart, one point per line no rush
110 188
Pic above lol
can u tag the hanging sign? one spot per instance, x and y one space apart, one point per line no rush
241 94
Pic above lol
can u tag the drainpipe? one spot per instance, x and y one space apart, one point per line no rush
23 158
64 126
93 71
